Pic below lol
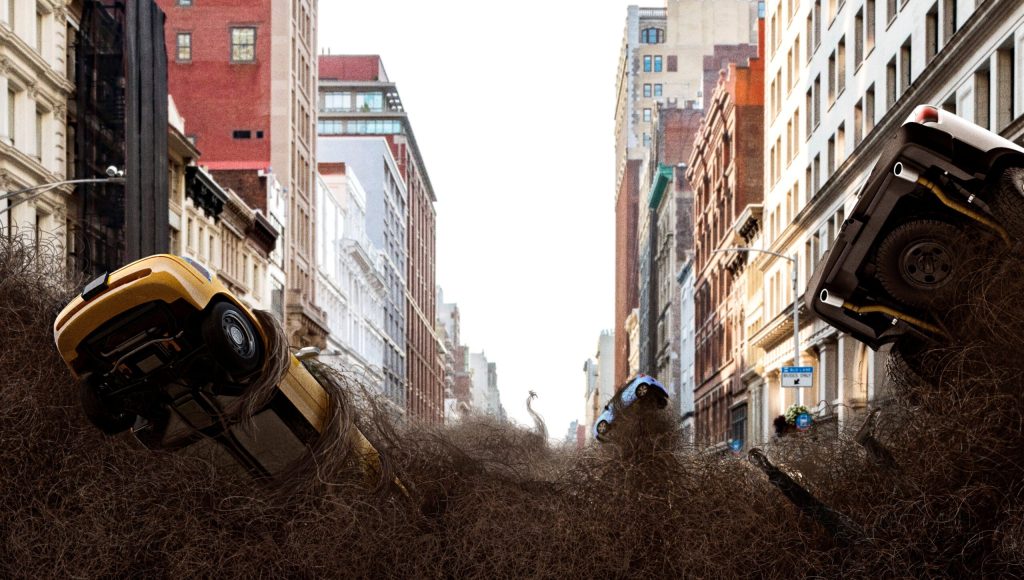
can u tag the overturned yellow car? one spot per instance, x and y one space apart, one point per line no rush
162 348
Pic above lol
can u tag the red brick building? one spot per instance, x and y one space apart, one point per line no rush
627 272
243 75
357 98
725 170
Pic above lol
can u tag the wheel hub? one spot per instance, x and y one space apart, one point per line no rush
237 335
926 264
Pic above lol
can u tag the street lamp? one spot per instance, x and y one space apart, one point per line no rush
796 306
114 175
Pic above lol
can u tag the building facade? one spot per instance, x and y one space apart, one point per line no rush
356 97
687 352
839 78
599 377
213 225
457 380
725 170
349 275
36 81
386 206
244 77
661 58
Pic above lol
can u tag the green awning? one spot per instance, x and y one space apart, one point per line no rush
662 177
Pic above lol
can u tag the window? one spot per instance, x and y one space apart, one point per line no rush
657 90
831 167
789 70
239 134
338 101
869 110
981 96
817 173
841 69
841 144
858 38
40 116
10 13
832 78
1005 84
905 59
652 36
817 23
738 429
11 103
184 2
647 115
243 44
949 24
817 100
370 102
931 33
39 32
647 89
657 63
869 41
672 63
890 10
809 107
890 83
647 63
184 53
329 127
858 122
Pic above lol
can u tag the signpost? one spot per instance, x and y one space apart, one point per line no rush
797 377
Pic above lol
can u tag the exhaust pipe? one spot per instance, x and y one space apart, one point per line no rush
831 299
903 172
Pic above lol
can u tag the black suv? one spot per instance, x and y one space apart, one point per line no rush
941 189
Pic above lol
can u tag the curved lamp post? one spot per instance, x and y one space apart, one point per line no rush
796 307
37 190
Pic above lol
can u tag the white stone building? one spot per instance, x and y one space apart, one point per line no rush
599 373
350 282
841 75
687 350
35 83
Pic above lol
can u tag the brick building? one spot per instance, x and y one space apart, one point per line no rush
725 170
244 77
666 242
661 58
356 97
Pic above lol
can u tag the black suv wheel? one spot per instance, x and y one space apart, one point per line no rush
918 260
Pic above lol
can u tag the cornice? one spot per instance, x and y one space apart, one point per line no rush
14 49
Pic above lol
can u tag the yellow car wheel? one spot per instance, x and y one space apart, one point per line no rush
231 338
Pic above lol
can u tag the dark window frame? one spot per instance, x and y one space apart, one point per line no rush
233 45
178 46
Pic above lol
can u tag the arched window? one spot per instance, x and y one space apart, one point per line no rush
652 36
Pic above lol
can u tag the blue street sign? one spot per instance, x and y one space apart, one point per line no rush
797 377
803 421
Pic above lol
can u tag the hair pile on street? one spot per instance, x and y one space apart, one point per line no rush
932 486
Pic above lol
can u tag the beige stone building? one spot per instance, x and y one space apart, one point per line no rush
214 226
35 82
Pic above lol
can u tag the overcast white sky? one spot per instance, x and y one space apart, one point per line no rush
512 105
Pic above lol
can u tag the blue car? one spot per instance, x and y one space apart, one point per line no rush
642 387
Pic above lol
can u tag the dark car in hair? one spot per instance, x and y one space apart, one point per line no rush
943 190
